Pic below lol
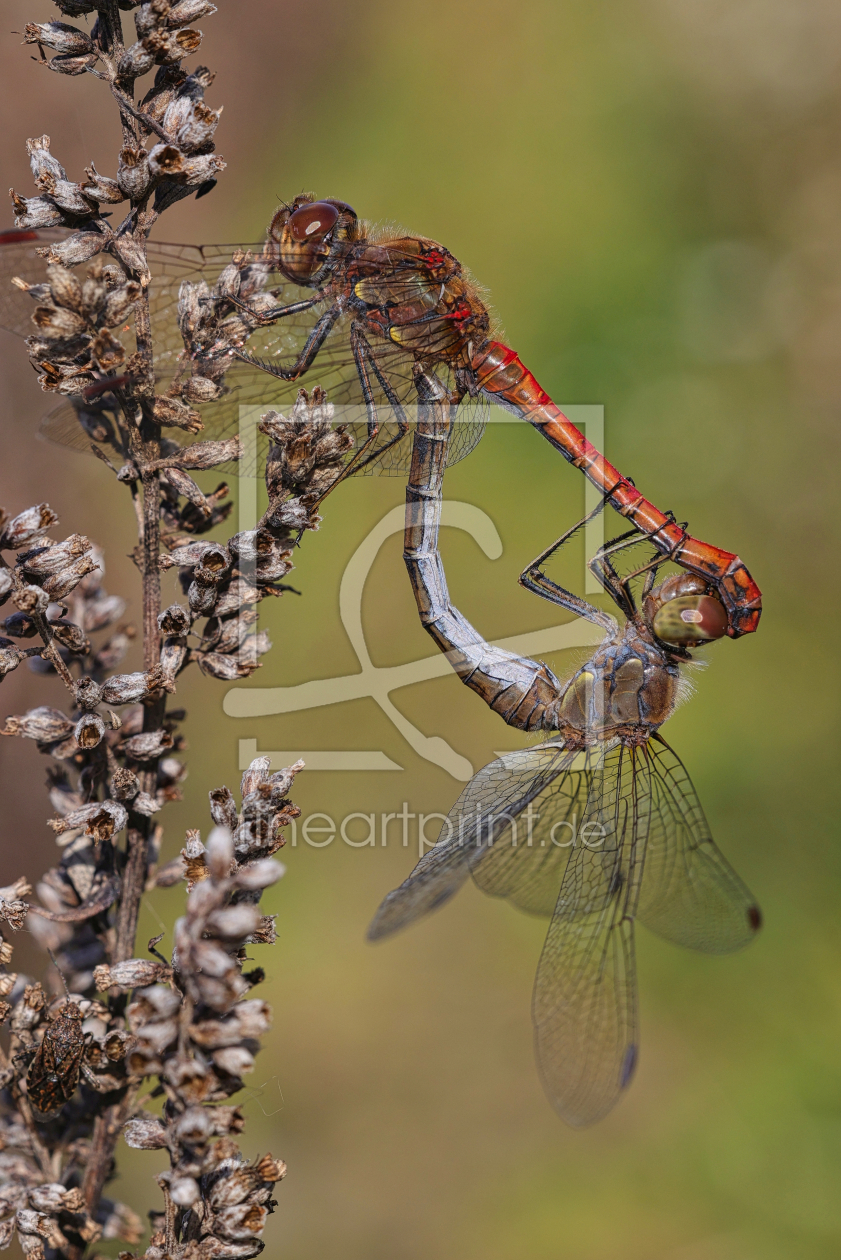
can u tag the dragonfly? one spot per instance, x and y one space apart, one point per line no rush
328 299
597 825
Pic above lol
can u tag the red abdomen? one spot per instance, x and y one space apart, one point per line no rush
502 376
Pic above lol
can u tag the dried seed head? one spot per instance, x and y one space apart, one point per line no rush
100 188
124 784
90 731
133 174
220 852
175 620
172 412
27 526
148 746
65 289
132 688
57 35
44 724
80 247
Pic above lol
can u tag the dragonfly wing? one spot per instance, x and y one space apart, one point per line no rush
584 1005
492 798
18 258
690 895
526 862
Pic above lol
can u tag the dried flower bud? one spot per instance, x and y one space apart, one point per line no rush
59 585
134 973
73 63
133 173
119 304
202 455
57 324
10 657
189 11
220 852
124 784
35 212
52 558
71 637
101 189
176 414
65 289
107 351
145 804
6 584
184 1191
90 730
168 162
57 35
135 61
191 123
255 876
13 913
148 746
193 1127
88 693
199 389
67 195
28 526
175 620
44 724
132 688
234 923
235 1060
80 247
223 810
101 819
42 161
145 1134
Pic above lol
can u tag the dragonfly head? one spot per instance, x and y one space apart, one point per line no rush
310 237
682 612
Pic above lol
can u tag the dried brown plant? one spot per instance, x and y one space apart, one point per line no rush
78 1059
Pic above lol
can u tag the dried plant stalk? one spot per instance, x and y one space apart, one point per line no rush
77 1062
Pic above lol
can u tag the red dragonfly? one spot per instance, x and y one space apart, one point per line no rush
329 300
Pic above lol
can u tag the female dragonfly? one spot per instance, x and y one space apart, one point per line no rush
596 826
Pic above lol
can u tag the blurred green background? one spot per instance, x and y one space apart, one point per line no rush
652 194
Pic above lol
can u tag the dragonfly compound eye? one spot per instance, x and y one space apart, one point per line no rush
687 620
312 222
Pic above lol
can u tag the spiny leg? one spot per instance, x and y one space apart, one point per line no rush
366 362
602 567
318 335
535 580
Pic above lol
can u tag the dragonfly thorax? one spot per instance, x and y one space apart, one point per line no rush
627 689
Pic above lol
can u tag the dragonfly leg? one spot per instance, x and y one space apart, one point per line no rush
535 580
312 345
265 319
619 588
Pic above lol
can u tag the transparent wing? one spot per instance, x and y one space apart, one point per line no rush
526 862
690 895
493 798
251 392
584 1004
18 258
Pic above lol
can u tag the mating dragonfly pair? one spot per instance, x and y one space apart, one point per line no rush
394 330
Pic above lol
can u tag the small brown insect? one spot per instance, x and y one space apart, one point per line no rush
54 1072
